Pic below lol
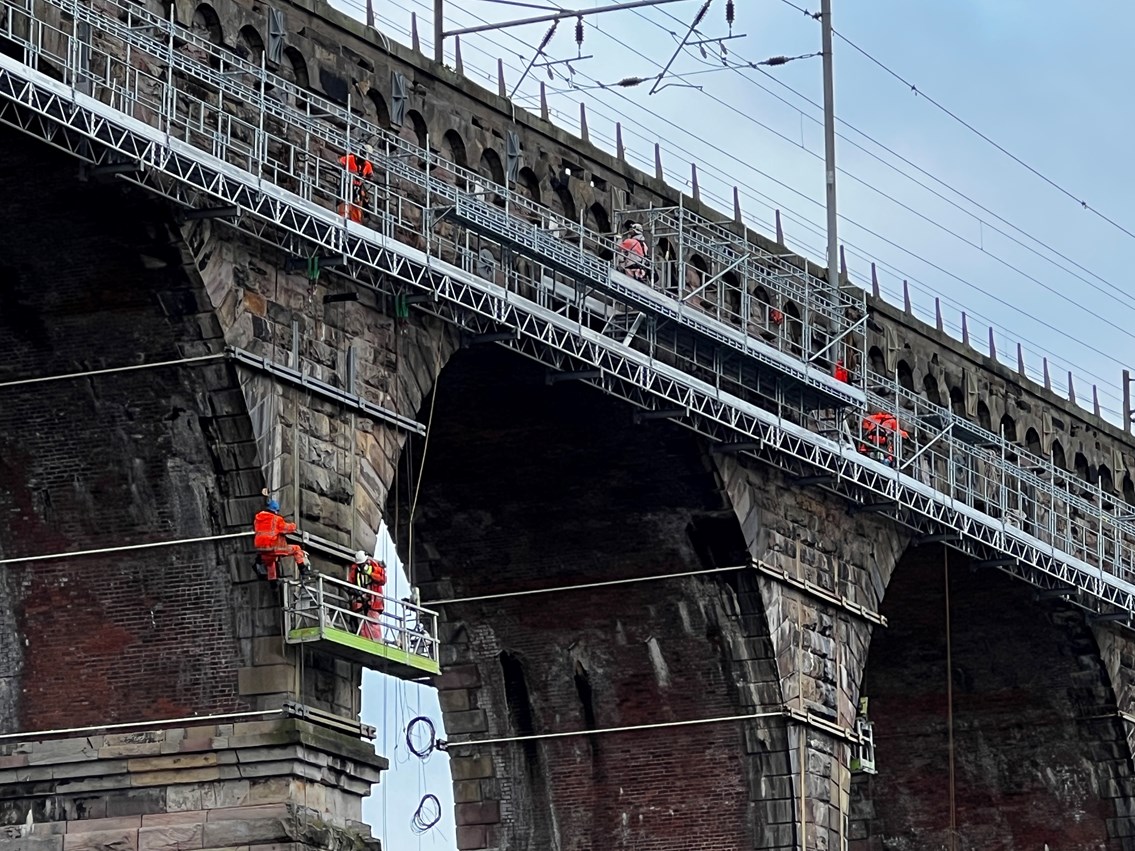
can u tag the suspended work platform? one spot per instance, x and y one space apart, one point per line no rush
391 636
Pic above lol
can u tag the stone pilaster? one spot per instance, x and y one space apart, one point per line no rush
280 784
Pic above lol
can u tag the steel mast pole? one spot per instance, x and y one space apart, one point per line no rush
829 146
439 29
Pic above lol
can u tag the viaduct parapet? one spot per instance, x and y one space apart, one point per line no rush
194 362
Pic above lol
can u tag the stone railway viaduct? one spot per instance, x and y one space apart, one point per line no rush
522 486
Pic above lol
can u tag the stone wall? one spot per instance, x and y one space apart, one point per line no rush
275 783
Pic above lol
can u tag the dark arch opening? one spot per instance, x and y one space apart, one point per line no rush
598 219
528 184
421 131
454 148
933 393
251 41
1128 489
877 361
381 111
613 500
1105 479
983 417
1032 442
1058 458
296 64
1009 428
491 166
1083 468
1019 699
905 376
207 22
563 202
957 401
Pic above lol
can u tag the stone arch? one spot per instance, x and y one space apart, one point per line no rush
504 664
250 39
598 219
905 376
1009 428
295 66
491 166
1083 468
876 360
984 419
1128 489
1105 479
1032 442
957 401
381 110
931 388
453 148
1002 640
418 127
207 22
1058 458
563 203
528 184
731 297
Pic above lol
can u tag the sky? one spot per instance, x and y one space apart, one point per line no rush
1009 242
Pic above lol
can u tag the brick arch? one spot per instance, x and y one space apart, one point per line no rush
1037 748
602 499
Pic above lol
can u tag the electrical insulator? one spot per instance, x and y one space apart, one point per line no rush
730 14
579 31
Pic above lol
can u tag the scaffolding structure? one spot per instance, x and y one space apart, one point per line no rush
719 334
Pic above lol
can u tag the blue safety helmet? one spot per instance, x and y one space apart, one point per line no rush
273 505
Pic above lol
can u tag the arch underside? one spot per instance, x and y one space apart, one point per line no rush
1038 750
529 486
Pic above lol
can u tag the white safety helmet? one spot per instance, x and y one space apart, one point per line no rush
637 229
368 148
360 557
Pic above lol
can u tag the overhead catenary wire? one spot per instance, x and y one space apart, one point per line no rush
89 373
1015 308
587 585
628 728
125 548
156 723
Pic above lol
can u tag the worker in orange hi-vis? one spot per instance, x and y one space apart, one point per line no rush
368 577
269 529
632 252
879 429
359 165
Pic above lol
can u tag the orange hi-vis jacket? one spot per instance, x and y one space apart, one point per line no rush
352 164
269 529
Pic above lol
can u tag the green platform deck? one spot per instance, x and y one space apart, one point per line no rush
371 654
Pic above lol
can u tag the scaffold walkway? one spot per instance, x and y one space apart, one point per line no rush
738 348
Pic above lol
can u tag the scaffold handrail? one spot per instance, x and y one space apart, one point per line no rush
929 479
317 603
